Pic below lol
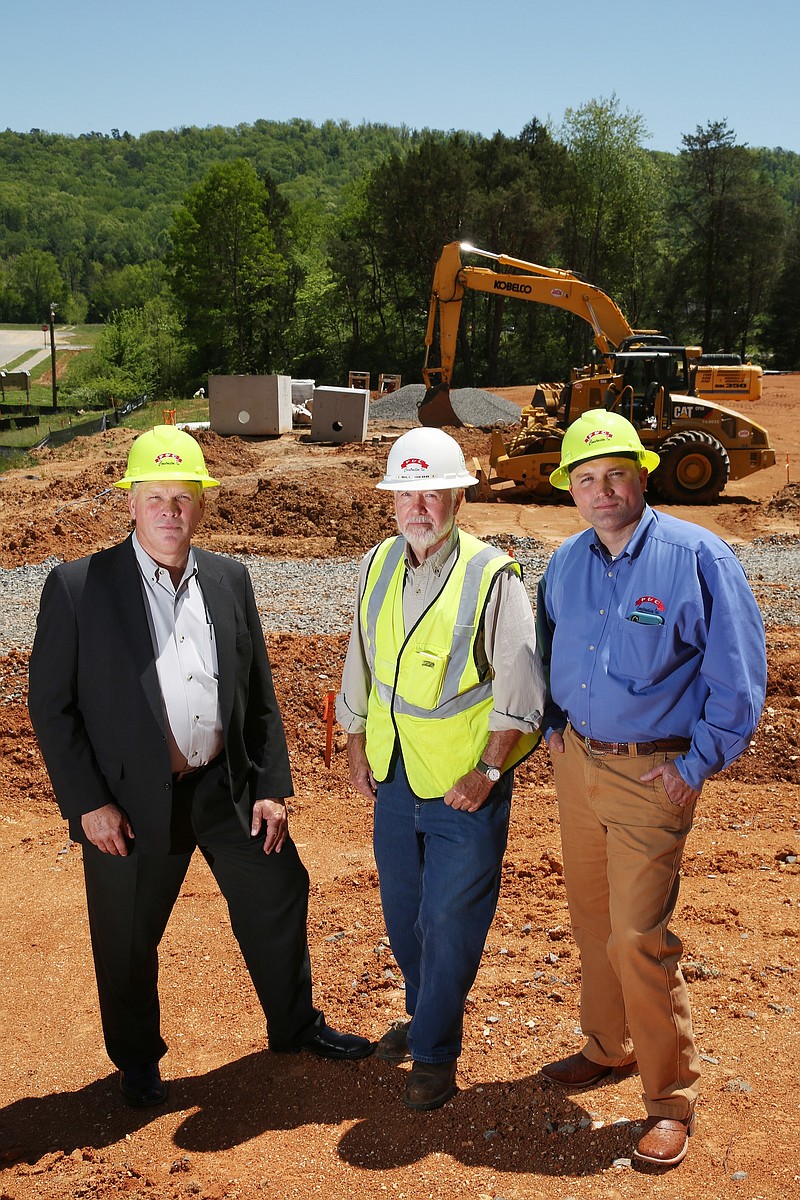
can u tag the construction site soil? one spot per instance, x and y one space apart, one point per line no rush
241 1122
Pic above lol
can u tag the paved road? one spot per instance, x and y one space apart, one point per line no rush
14 342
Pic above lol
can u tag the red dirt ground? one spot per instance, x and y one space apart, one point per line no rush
242 1123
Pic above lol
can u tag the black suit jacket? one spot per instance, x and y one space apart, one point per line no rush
95 701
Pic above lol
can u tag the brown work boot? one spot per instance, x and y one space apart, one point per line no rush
393 1046
664 1141
430 1085
579 1072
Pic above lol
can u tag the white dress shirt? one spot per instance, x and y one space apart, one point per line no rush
186 661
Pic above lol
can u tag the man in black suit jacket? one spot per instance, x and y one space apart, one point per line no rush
152 700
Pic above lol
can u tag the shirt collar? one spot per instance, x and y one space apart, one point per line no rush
153 573
636 540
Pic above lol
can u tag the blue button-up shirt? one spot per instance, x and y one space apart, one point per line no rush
665 640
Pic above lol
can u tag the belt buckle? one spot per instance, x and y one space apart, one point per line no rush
594 751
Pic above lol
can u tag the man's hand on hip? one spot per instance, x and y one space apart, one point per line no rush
109 829
676 787
271 813
556 743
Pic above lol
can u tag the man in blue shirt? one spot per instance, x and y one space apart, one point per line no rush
654 649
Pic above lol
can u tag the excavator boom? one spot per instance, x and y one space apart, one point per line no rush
540 285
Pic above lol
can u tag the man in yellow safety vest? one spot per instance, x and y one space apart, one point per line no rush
442 695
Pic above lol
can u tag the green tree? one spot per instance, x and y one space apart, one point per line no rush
140 350
511 214
612 200
36 281
225 268
782 328
130 286
726 230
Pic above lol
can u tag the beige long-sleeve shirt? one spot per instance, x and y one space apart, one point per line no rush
509 643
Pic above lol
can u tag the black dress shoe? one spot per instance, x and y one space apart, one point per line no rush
327 1043
142 1086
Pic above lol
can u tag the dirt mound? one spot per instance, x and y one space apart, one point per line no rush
787 499
280 515
226 455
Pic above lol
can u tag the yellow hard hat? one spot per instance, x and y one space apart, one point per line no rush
169 453
599 434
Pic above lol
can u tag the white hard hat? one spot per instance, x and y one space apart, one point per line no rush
425 460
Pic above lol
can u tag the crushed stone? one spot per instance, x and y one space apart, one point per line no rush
317 595
471 405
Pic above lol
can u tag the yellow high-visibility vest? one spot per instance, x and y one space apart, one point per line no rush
428 691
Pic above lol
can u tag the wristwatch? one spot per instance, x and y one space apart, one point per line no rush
491 773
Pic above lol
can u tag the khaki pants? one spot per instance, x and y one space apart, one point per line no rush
623 841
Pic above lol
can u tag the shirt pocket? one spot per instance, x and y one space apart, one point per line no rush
638 650
421 677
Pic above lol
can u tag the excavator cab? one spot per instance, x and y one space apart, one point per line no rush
643 380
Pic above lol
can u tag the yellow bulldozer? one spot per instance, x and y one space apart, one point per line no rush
640 374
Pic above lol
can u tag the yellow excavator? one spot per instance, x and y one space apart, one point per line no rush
640 374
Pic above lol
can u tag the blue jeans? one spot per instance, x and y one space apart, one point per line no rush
439 871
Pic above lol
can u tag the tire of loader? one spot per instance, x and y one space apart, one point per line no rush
694 469
435 410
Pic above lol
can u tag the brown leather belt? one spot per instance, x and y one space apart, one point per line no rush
635 749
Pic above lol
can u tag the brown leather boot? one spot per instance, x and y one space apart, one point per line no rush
578 1072
664 1141
430 1085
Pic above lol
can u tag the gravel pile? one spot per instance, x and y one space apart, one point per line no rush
317 595
773 568
473 406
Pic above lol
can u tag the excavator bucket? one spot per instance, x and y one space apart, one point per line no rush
435 410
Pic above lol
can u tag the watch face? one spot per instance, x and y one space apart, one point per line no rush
493 773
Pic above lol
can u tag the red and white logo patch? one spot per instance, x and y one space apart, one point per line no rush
168 456
414 462
659 604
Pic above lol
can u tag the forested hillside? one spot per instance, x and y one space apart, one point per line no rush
310 249
100 203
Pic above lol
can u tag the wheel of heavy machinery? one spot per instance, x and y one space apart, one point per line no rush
694 468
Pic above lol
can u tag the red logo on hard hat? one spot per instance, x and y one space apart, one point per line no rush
168 456
597 433
415 462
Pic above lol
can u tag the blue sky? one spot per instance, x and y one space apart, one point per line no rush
476 65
